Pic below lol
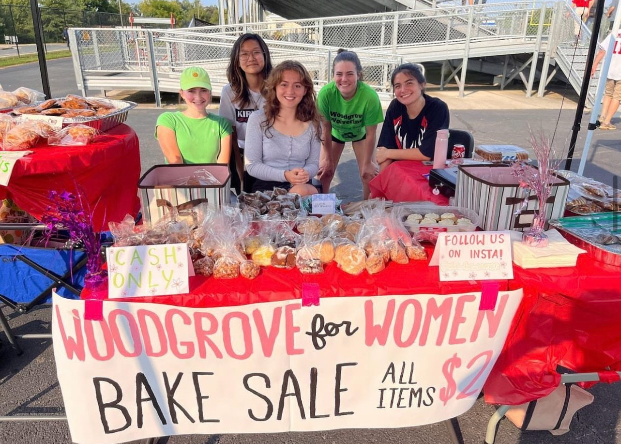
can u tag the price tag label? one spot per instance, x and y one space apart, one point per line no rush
323 203
56 122
474 256
7 162
147 270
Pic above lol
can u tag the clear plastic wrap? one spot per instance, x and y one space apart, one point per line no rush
350 258
28 96
222 236
22 136
73 135
6 124
308 257
125 233
200 177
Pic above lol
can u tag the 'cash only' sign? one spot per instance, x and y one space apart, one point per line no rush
354 362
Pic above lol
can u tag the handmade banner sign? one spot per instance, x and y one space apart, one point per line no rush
323 203
353 362
147 270
474 256
7 162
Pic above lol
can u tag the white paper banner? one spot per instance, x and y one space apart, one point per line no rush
354 362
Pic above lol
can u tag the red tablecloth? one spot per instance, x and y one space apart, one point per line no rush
105 171
568 317
404 181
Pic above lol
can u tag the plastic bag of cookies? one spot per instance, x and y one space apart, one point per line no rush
73 135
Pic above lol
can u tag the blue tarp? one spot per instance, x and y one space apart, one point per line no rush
22 283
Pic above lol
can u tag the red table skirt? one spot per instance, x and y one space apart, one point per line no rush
568 316
404 181
278 284
105 171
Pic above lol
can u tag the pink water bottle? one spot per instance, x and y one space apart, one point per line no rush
439 156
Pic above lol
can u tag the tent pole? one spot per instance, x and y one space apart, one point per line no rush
599 9
600 92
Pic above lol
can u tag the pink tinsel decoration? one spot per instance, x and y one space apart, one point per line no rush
538 180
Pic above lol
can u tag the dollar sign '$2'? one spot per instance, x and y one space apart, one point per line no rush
446 393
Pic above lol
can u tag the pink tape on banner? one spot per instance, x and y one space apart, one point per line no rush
93 310
310 295
489 295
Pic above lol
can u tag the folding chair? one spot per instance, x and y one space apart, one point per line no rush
29 274
568 378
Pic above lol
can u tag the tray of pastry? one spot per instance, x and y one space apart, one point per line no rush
587 196
98 113
599 234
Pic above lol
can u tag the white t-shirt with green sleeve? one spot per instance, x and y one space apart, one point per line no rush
198 139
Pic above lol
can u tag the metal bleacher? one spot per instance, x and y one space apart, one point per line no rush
532 38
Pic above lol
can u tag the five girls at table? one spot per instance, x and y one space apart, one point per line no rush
194 135
249 67
283 139
277 124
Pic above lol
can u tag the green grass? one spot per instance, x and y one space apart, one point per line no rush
28 58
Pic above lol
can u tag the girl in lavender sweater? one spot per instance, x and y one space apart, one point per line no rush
283 140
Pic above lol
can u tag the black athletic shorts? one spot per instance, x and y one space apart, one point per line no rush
334 139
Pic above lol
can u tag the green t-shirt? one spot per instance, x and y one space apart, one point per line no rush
197 139
349 118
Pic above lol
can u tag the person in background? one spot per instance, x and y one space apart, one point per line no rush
350 111
283 139
607 19
248 68
194 135
412 119
612 94
581 8
66 36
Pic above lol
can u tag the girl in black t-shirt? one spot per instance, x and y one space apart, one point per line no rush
412 119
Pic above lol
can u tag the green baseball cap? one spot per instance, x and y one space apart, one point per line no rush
194 77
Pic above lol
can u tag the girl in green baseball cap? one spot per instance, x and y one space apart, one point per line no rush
194 135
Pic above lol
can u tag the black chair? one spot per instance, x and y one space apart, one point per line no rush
460 137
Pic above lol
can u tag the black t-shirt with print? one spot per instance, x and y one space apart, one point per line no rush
401 132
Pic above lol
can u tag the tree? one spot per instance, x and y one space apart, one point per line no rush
56 15
21 22
101 6
160 8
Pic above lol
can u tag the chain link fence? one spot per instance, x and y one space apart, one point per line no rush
153 59
16 21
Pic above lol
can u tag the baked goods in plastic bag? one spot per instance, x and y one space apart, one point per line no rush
249 269
350 258
308 257
125 233
28 96
222 233
6 123
21 137
8 99
73 135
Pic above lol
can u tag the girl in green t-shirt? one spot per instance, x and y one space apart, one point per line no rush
351 110
194 135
